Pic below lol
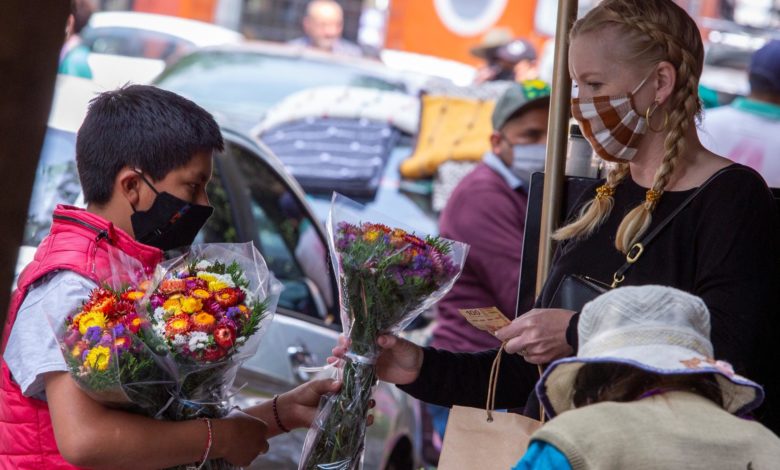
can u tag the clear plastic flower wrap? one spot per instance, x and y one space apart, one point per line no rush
209 309
106 342
386 276
168 344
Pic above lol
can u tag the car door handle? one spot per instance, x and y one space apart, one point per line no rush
300 357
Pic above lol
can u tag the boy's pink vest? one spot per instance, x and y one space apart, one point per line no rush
77 242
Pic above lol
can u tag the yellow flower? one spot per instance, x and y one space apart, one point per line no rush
371 235
76 351
243 308
191 305
172 305
207 277
90 319
217 285
201 294
97 358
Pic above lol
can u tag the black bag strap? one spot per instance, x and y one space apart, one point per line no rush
639 247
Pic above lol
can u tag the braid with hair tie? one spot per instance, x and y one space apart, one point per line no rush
638 220
595 211
646 26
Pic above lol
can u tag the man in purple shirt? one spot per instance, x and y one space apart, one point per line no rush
487 211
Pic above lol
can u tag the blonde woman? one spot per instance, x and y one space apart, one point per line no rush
636 65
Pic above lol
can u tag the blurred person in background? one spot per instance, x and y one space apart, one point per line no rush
487 211
73 56
748 130
505 58
323 26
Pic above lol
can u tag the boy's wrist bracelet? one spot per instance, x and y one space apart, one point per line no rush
276 415
209 442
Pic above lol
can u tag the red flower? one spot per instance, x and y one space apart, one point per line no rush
227 297
101 300
122 308
224 337
213 353
132 322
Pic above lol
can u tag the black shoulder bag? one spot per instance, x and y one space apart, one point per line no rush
575 290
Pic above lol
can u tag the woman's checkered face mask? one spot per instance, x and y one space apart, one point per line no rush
611 124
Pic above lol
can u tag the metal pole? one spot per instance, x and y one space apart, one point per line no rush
558 125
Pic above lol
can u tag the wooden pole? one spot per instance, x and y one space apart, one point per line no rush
557 137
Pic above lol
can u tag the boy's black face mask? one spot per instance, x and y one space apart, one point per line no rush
170 222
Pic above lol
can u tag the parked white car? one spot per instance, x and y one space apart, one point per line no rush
135 47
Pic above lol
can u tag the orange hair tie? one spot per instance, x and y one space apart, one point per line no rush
652 195
604 191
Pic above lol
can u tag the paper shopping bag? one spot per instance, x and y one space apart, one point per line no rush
471 441
484 439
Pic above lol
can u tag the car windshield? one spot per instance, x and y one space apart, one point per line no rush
241 86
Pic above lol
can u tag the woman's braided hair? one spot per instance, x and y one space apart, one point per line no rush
651 31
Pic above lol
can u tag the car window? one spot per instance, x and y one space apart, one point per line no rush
56 182
252 201
133 42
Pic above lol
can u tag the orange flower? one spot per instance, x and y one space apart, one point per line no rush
145 285
133 295
172 286
201 294
177 325
203 321
102 301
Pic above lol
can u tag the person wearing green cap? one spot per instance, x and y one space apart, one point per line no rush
487 211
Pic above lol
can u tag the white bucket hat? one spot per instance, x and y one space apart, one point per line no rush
658 329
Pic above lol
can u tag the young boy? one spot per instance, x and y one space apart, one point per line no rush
144 155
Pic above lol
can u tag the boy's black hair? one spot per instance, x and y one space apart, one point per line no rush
142 127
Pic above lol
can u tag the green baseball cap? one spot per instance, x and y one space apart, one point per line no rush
517 96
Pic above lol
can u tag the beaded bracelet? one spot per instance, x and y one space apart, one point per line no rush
276 415
209 442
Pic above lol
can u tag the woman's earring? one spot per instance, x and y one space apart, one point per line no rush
649 114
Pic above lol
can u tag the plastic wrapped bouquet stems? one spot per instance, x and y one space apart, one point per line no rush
386 276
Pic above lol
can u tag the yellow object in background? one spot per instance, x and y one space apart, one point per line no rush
451 128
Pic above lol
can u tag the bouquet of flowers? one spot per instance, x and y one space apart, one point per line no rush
169 345
107 354
210 308
386 276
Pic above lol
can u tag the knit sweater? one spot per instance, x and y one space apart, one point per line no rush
672 430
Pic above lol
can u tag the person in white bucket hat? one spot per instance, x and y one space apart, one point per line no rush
644 392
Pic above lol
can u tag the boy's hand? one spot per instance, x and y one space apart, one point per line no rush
239 438
298 407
